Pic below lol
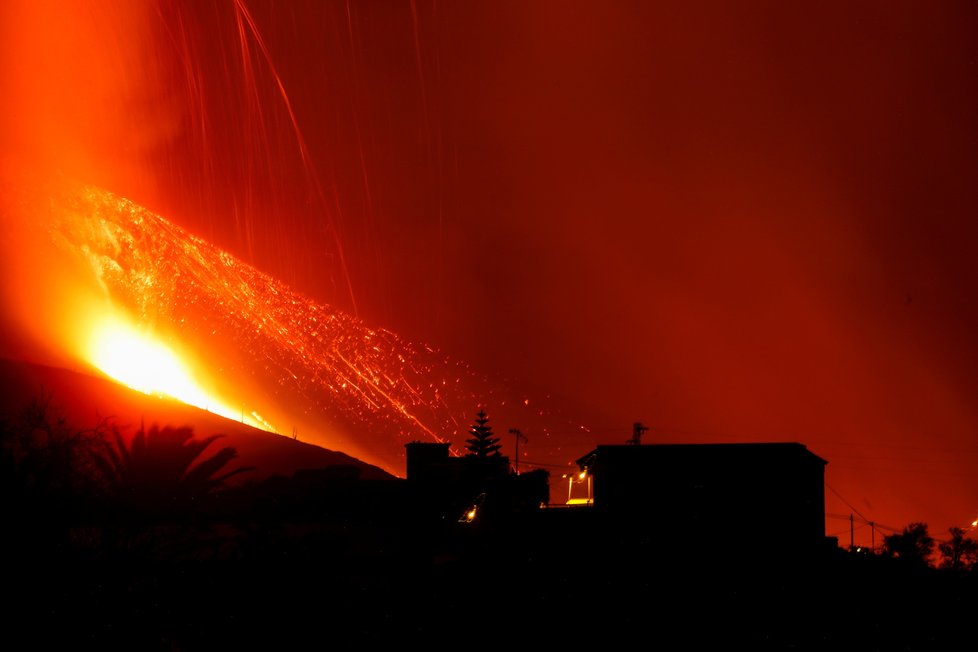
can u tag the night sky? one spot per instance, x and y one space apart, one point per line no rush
731 221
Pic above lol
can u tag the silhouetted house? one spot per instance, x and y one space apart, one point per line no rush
737 494
430 463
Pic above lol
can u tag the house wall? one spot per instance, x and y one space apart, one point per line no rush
768 492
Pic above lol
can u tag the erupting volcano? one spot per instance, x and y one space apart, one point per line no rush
729 222
95 279
170 313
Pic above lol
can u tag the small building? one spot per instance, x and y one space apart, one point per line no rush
740 494
449 486
429 462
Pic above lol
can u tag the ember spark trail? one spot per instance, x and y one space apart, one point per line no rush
289 354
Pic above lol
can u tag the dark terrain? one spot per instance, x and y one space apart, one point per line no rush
327 553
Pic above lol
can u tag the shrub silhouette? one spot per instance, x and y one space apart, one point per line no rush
46 464
960 552
913 546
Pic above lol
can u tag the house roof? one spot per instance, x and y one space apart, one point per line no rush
737 453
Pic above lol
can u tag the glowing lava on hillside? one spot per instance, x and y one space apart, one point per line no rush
112 107
164 311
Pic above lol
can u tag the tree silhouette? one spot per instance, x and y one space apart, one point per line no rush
482 444
161 468
914 545
960 552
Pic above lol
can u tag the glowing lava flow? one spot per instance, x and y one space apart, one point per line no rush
334 380
139 361
91 278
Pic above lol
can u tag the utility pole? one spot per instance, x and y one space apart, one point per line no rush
852 533
637 430
872 533
519 435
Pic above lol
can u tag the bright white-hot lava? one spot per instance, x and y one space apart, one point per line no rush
141 362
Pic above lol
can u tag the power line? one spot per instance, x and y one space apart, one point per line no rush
848 504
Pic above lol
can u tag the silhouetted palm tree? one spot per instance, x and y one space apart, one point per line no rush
161 468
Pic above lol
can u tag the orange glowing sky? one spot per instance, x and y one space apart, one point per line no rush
747 221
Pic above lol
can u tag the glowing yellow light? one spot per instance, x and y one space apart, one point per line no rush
138 361
582 475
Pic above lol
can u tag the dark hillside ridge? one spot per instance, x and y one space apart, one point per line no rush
85 398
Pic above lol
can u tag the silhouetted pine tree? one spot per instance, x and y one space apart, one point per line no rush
482 443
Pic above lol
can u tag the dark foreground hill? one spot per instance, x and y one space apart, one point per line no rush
83 399
287 569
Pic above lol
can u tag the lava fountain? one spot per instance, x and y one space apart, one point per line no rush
120 288
109 111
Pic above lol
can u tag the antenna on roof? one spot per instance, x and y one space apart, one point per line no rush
637 430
